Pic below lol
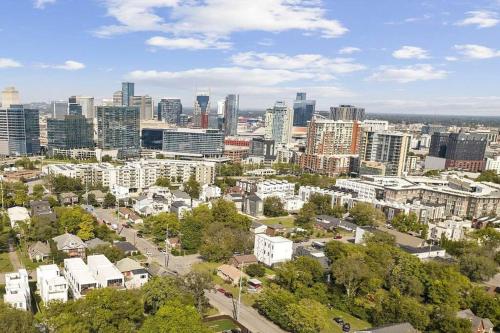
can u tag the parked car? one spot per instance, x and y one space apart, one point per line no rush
228 294
114 226
221 290
346 327
338 236
338 320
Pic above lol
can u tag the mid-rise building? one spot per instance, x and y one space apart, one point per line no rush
145 105
87 104
19 131
128 91
201 110
493 164
169 110
105 273
347 113
152 138
279 123
17 290
389 149
58 109
272 250
72 132
79 277
117 98
303 110
231 109
74 109
10 96
118 127
51 284
207 142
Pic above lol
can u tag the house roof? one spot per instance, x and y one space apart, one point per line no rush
475 320
253 197
391 328
18 214
39 247
179 204
68 195
403 239
125 246
68 241
127 265
180 194
93 243
246 258
231 272
40 207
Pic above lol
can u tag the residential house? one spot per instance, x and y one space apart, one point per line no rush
178 195
479 325
253 205
231 274
258 228
127 248
130 215
454 229
209 192
79 277
98 195
318 255
95 242
17 290
106 274
272 250
391 328
39 251
135 275
237 199
51 284
147 206
68 198
275 230
18 214
70 244
242 261
41 209
330 223
180 208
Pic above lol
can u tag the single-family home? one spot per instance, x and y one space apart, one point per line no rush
80 279
17 290
328 223
237 199
106 274
178 195
127 248
95 242
241 261
68 198
39 251
18 214
180 208
70 244
272 250
231 274
209 192
135 275
253 205
479 325
41 209
51 284
258 228
311 252
129 215
98 195
275 229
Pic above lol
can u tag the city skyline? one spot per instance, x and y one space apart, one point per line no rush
419 57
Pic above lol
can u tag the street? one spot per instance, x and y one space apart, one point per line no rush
249 317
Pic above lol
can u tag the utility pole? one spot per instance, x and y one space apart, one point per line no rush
167 254
239 294
1 189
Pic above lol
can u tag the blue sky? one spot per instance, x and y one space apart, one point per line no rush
428 56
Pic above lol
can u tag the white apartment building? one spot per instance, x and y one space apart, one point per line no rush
338 198
79 277
209 192
279 123
105 273
51 284
17 290
278 188
493 164
453 229
363 189
272 250
375 125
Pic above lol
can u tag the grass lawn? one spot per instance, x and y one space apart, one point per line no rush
5 265
286 221
356 324
221 325
26 261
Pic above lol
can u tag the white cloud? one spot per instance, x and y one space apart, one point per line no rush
411 52
9 63
69 65
40 4
313 63
480 18
450 58
474 51
420 72
219 18
187 43
349 50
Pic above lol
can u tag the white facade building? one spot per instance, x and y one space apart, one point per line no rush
17 290
272 250
209 192
279 123
454 229
106 274
278 188
79 277
17 214
51 284
493 164
135 275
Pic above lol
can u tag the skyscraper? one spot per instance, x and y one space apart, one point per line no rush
74 108
10 96
208 142
231 109
127 93
278 123
347 113
72 132
59 109
118 127
145 105
169 110
87 104
19 131
201 110
117 98
303 110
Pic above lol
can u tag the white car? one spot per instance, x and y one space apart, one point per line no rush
114 226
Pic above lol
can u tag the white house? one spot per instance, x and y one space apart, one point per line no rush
120 192
453 229
17 290
209 192
17 214
135 275
51 284
292 204
272 250
106 274
79 277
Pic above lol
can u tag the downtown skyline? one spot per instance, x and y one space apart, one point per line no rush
418 57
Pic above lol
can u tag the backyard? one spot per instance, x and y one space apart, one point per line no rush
5 265
286 221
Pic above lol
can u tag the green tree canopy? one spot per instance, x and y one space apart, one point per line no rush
273 207
157 225
365 214
192 187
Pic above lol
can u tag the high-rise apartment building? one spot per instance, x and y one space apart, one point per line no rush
59 109
303 109
279 123
145 105
72 132
464 151
74 109
347 113
169 110
201 110
128 92
384 153
207 142
10 96
118 127
231 109
19 131
87 104
117 98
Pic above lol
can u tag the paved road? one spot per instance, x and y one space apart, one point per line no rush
249 317
179 264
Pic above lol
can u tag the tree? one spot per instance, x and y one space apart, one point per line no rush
273 207
106 158
163 181
225 212
175 317
488 176
157 226
193 225
86 228
158 291
13 320
308 316
91 200
62 184
220 242
255 270
42 229
113 253
109 200
301 272
197 283
38 191
272 302
192 187
351 273
477 268
365 214
305 217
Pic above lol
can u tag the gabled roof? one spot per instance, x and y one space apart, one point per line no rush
125 246
39 247
68 241
245 259
180 194
127 265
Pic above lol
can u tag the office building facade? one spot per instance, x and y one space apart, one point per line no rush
118 127
169 110
58 109
87 104
279 123
152 138
145 105
201 110
207 142
347 113
74 109
10 96
303 109
19 131
128 91
231 109
72 132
